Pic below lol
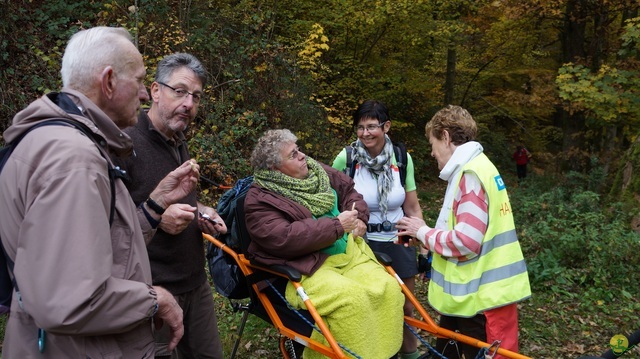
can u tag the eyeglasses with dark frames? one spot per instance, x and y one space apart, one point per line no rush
370 128
182 93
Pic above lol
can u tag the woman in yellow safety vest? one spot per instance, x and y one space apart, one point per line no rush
478 270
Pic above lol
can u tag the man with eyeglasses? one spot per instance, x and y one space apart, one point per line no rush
176 251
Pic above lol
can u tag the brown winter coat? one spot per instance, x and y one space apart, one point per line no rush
85 284
285 232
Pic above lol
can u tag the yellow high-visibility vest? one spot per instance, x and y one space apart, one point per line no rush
496 277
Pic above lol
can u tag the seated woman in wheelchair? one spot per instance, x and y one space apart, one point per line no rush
307 215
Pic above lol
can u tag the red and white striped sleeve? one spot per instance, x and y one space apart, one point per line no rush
471 211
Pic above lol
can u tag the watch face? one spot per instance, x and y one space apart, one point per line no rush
386 226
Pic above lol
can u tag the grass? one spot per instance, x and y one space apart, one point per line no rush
551 326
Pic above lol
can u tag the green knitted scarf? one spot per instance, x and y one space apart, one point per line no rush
313 192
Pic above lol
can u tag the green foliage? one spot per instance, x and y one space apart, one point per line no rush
259 339
610 93
33 38
631 38
626 184
582 259
222 143
574 242
306 65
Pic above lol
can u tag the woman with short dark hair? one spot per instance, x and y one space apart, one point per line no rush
378 176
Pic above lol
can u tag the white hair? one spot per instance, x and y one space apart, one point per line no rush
89 52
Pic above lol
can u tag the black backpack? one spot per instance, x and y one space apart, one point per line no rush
7 283
227 277
400 152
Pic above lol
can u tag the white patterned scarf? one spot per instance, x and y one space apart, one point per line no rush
380 167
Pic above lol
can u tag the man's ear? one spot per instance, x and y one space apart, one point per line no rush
154 91
108 82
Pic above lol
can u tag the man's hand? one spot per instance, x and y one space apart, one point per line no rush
169 313
210 222
177 184
177 217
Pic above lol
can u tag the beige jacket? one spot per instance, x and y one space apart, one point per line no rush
85 283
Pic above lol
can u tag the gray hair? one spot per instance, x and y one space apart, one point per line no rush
89 52
173 62
266 154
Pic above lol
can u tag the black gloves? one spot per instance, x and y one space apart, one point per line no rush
424 263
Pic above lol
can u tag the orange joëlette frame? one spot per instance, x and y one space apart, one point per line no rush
334 350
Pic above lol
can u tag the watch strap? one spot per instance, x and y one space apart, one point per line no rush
154 206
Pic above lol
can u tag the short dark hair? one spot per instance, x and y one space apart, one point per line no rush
371 109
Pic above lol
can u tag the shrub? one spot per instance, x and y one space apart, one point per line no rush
573 241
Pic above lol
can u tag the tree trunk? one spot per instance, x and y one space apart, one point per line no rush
450 79
572 38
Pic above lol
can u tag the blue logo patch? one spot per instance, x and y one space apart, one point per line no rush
499 182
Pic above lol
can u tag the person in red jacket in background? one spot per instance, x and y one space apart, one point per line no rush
521 156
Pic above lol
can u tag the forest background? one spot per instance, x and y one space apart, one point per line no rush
559 76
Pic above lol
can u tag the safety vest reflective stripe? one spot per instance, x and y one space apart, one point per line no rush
492 275
500 240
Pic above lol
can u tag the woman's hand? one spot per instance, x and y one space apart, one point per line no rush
409 226
349 220
361 229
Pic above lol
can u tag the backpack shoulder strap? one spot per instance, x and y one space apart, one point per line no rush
63 101
113 172
400 151
350 170
6 260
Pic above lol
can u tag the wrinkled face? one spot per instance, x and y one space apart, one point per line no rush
129 91
294 162
176 101
371 134
442 149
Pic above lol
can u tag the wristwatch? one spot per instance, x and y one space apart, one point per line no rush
154 206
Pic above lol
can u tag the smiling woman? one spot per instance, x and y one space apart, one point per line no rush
386 181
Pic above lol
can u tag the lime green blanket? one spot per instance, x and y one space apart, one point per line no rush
360 302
